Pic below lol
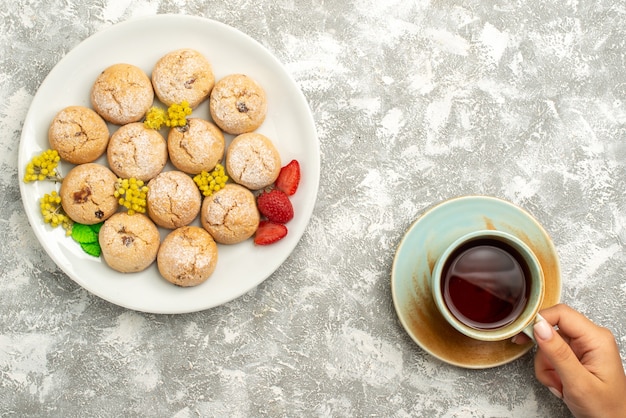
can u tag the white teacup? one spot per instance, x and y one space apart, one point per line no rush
489 285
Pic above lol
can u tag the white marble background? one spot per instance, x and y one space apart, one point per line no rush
414 102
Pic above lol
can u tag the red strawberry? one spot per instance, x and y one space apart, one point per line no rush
275 206
289 178
269 232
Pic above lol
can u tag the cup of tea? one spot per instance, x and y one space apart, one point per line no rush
489 285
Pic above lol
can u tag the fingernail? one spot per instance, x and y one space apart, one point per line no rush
543 330
555 392
515 339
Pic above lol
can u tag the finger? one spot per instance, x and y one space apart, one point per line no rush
570 322
520 339
558 353
545 373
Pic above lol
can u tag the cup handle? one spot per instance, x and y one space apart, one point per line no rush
529 328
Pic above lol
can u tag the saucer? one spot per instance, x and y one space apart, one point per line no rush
426 239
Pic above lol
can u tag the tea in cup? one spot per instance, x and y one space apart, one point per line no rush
489 285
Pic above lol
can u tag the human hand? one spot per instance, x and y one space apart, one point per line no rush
580 363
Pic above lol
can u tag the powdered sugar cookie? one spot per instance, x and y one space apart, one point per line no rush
253 161
129 242
88 193
173 199
197 147
230 215
78 134
238 104
122 94
187 256
183 75
136 151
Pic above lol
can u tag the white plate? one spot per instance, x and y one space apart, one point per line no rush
142 42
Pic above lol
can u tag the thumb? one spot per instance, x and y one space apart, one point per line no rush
558 352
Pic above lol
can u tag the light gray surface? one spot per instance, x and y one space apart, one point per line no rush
414 102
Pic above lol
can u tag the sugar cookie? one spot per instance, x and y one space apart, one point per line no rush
87 193
129 242
122 94
78 134
187 256
183 75
253 161
137 151
230 215
173 199
196 147
238 104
